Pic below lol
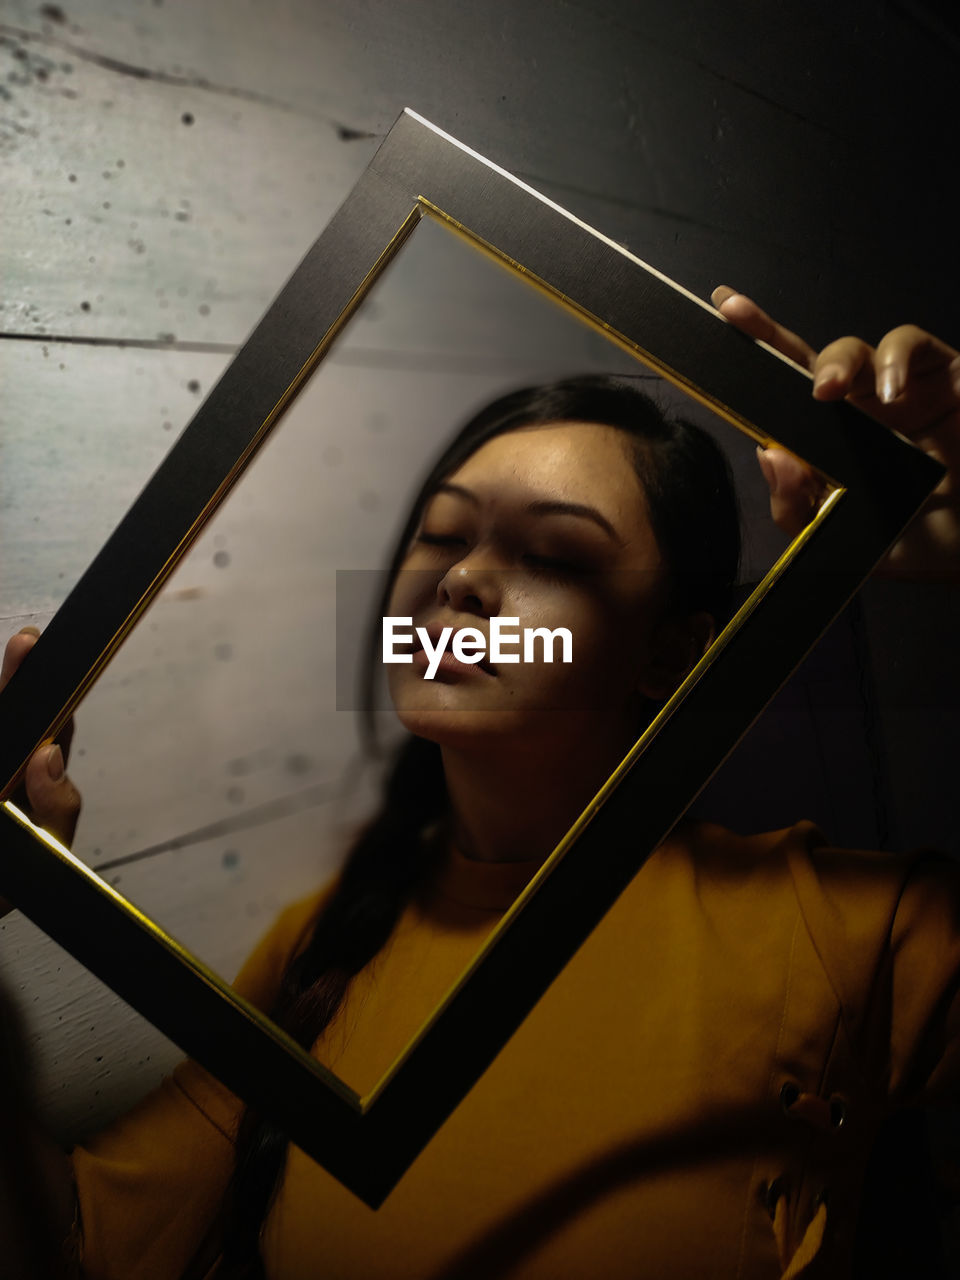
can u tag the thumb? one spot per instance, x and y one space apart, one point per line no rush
16 649
54 800
795 489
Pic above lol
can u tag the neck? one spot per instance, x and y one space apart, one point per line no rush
515 805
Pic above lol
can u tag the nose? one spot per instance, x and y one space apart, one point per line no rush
465 588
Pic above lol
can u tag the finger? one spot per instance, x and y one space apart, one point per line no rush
54 802
844 368
908 353
795 489
16 650
744 313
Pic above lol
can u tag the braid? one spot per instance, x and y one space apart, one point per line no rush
387 864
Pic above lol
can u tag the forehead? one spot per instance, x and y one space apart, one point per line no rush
566 461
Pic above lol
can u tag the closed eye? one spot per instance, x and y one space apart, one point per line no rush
441 540
553 564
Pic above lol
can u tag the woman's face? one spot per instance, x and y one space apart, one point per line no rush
547 525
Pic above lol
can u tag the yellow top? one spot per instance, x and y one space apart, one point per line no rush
637 1123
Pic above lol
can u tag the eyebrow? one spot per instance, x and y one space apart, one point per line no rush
542 508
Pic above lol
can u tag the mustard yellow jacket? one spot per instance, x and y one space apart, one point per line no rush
697 1095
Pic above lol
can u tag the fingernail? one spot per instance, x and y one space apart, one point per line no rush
30 631
889 385
829 373
55 763
769 471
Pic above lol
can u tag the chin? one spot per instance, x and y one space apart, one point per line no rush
495 728
464 727
461 713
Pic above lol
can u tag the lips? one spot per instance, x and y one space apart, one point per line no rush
448 661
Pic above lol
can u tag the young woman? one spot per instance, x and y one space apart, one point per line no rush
698 1092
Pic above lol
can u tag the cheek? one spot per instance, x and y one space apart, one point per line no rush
411 588
602 652
611 639
599 620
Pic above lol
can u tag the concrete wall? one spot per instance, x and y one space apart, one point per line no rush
165 167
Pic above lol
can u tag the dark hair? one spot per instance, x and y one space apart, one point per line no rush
692 507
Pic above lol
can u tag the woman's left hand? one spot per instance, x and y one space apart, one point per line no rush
910 381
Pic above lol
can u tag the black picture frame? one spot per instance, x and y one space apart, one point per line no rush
879 480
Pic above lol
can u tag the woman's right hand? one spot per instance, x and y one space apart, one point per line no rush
46 793
911 382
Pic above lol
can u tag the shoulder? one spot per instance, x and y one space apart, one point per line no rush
853 903
258 981
824 878
884 929
260 974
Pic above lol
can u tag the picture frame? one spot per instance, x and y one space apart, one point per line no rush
878 482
